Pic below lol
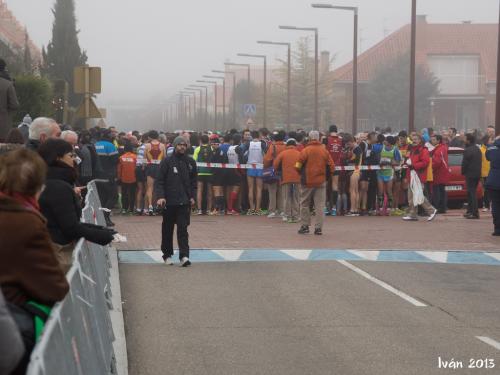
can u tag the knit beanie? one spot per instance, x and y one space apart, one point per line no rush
178 140
27 119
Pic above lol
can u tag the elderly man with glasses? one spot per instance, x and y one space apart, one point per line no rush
176 185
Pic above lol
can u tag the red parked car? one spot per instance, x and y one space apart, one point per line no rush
456 188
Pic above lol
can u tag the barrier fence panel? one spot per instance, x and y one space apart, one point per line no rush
78 337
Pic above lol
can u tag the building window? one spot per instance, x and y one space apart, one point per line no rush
457 75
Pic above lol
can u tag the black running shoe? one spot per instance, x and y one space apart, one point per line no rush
304 229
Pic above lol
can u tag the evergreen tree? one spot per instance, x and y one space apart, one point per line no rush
387 95
63 52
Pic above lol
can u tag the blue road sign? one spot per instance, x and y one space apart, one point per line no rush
250 109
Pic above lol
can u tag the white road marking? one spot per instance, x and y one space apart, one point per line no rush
298 254
368 255
383 284
230 255
156 255
436 256
493 255
489 341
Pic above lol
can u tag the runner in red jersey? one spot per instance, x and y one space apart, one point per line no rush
334 147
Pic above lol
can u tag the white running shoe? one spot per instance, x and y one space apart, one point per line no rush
272 215
433 215
185 262
169 262
409 218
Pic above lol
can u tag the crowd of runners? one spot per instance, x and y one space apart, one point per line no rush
264 173
294 176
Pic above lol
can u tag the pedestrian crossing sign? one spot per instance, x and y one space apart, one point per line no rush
250 109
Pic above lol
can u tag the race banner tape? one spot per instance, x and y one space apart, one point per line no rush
261 166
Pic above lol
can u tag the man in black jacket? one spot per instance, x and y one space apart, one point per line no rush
471 169
176 184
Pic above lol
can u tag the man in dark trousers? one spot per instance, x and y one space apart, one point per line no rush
471 169
8 101
176 185
493 182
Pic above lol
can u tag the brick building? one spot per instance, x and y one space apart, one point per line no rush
13 37
461 56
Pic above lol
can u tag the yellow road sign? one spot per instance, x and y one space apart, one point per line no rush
93 110
87 80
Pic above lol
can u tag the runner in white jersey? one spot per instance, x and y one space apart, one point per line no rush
234 177
140 174
255 155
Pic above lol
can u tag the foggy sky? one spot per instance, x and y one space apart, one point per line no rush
156 47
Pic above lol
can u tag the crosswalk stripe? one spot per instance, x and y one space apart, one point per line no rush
366 254
435 256
229 255
298 254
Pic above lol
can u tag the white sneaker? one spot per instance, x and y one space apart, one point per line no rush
409 218
169 261
185 262
272 215
284 219
433 215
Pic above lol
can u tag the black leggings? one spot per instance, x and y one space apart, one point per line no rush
180 216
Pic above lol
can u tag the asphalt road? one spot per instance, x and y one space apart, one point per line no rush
309 318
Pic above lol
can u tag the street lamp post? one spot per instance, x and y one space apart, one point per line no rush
192 111
354 60
206 102
265 81
223 98
200 91
289 76
234 90
215 99
185 109
245 65
248 66
316 68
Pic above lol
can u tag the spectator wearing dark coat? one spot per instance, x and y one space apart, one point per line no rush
60 204
8 101
176 186
441 173
493 183
29 270
471 170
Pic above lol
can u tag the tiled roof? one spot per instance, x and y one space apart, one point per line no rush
432 39
13 33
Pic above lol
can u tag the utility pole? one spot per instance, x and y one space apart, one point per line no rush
411 120
497 117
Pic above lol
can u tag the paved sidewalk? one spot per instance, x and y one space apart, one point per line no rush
446 232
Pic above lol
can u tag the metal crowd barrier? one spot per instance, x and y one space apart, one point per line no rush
78 337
